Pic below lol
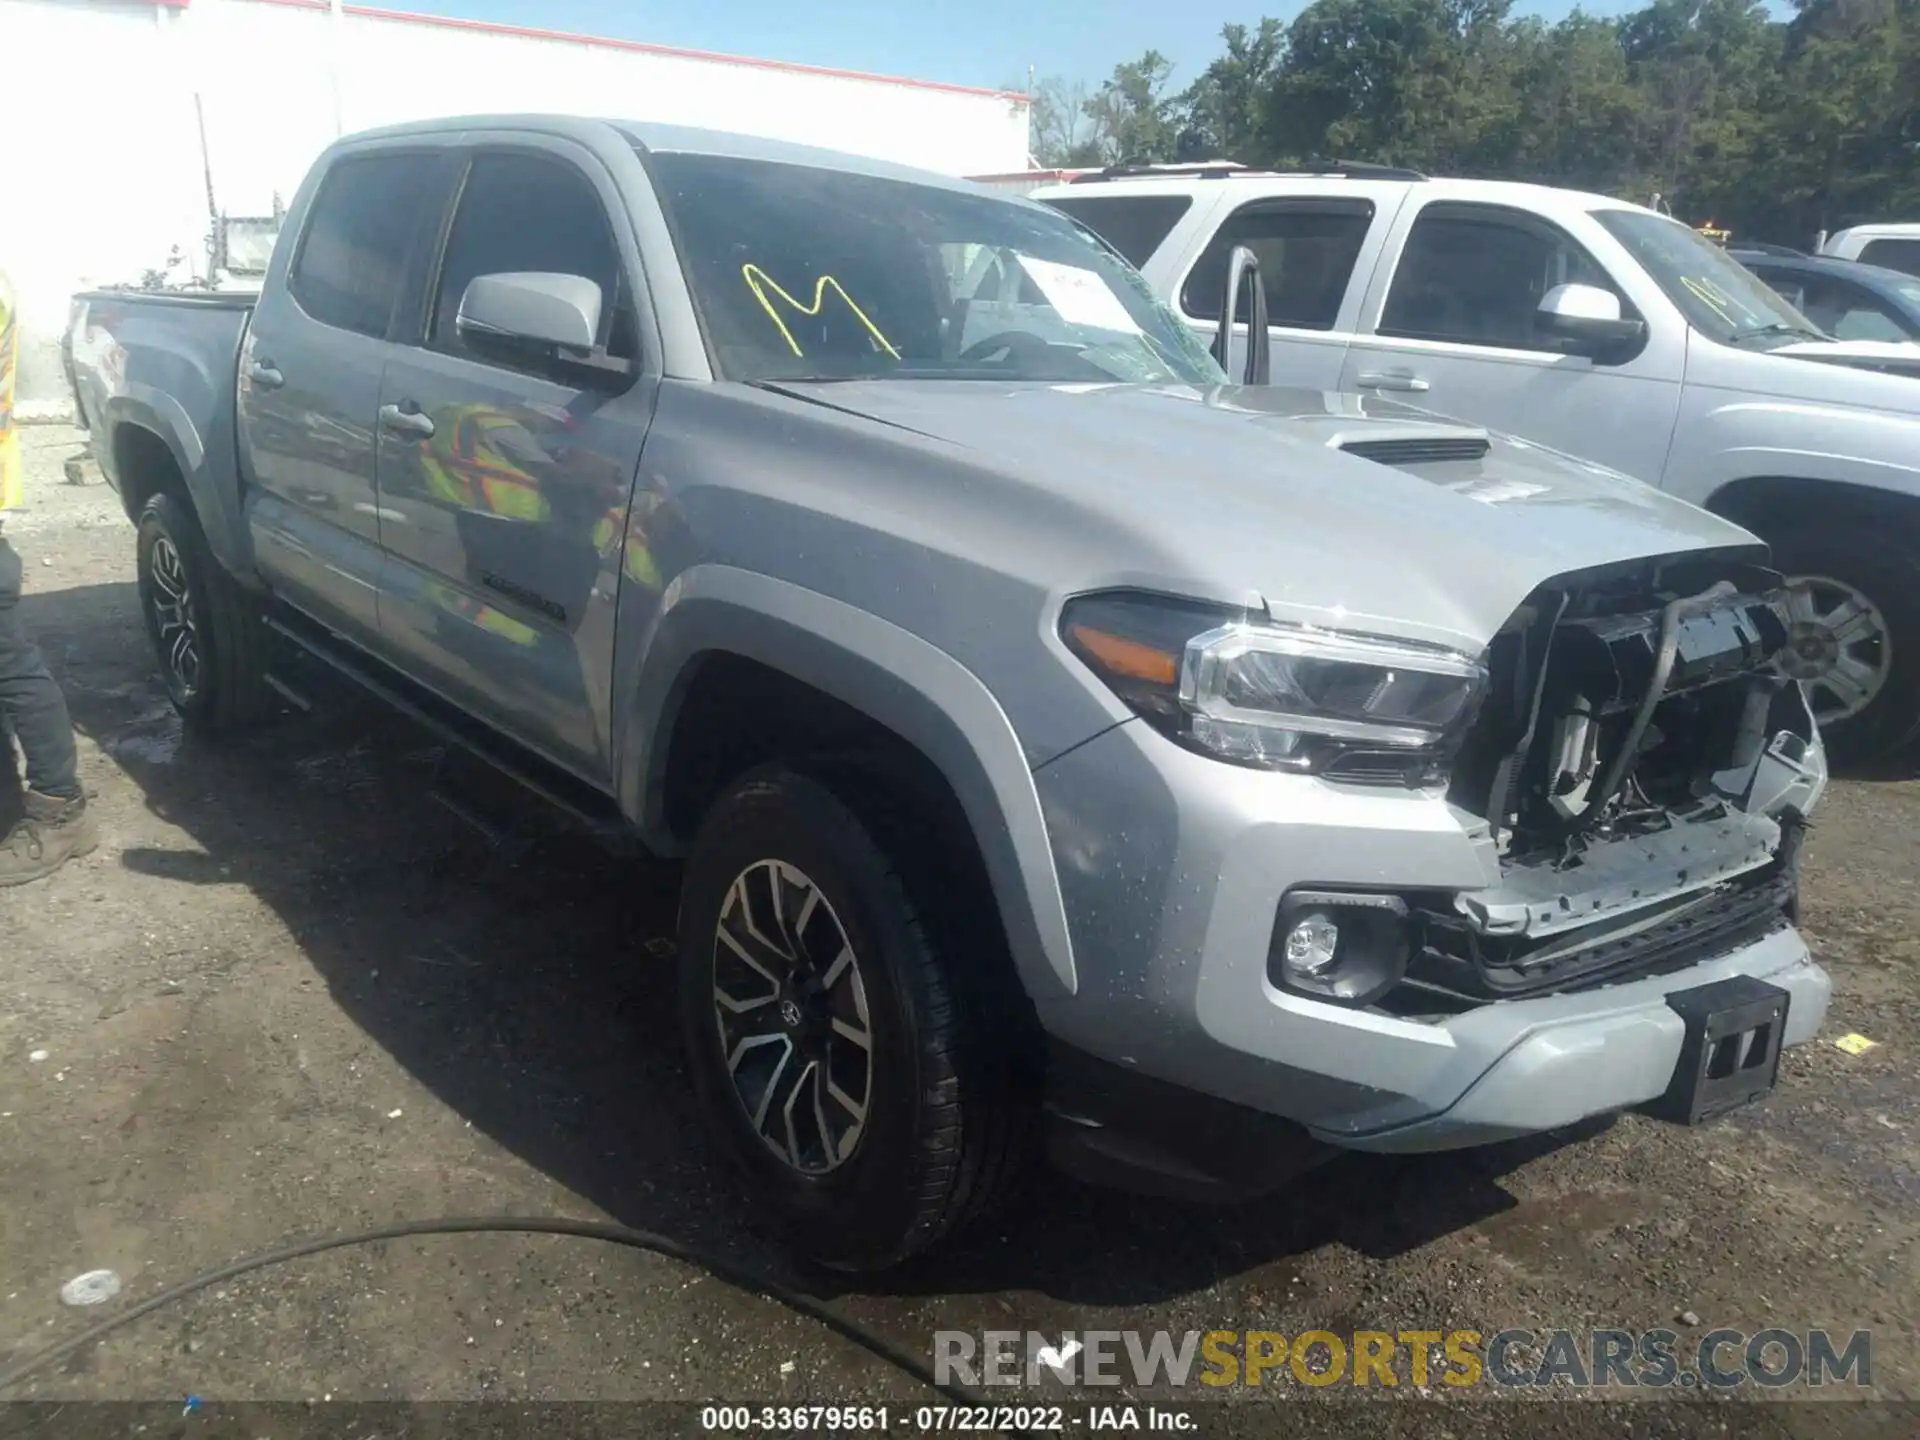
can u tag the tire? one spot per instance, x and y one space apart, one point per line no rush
946 1119
1848 562
208 634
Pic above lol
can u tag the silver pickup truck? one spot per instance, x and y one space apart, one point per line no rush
1063 743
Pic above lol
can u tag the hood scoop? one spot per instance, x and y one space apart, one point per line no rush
1420 449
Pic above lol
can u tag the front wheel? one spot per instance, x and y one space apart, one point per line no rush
208 635
839 1051
1854 633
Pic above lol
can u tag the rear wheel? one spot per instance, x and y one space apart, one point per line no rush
1854 636
207 633
838 1043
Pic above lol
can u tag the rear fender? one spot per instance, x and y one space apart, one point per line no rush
204 462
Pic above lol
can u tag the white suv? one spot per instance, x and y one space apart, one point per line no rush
1597 328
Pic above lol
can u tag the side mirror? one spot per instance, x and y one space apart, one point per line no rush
531 309
1243 270
1589 319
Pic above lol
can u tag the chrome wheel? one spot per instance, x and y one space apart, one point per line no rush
1838 646
791 1008
171 601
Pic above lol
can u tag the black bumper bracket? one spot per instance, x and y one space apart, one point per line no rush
1731 1054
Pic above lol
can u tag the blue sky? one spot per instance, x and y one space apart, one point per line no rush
981 42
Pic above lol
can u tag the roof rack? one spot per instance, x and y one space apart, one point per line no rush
1360 169
1226 169
1207 170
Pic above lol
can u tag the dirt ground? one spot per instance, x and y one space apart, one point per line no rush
291 994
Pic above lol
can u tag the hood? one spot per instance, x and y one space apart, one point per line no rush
1844 374
1360 513
1894 357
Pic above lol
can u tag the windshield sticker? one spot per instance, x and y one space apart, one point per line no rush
759 282
1080 297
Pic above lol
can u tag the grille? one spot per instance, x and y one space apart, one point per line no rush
1433 450
1455 962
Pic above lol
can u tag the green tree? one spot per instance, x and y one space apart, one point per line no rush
1426 82
1701 69
1773 129
1060 131
1576 106
1846 115
1224 112
1134 119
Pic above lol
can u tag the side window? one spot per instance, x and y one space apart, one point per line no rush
1894 254
1133 224
522 211
1306 250
353 254
1848 312
1475 275
1787 284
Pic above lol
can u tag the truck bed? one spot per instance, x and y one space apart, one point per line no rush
165 362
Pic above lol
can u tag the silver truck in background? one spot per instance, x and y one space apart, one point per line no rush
1062 741
1601 329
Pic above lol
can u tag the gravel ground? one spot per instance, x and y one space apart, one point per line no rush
292 994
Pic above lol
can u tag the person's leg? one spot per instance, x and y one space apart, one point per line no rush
56 826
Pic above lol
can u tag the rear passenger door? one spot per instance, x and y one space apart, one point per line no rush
1315 253
505 479
309 382
1450 326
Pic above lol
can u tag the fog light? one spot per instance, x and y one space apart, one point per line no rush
1312 944
1350 947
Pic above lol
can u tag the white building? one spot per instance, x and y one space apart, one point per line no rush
130 121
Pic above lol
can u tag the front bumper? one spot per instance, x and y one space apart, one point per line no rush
1172 867
1559 1070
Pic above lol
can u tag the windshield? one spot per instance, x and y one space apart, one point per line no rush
1720 297
801 273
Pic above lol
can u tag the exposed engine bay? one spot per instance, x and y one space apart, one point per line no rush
1642 767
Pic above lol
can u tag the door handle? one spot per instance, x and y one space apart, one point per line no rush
1391 380
263 374
409 421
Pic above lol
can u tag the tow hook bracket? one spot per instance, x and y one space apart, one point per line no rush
1731 1054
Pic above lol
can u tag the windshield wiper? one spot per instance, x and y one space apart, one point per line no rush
1757 332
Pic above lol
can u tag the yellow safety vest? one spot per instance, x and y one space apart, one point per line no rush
10 479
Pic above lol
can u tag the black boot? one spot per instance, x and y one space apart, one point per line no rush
51 833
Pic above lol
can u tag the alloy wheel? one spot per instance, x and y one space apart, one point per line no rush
171 600
1838 646
790 1004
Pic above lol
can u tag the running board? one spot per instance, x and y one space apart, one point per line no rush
287 693
505 837
587 806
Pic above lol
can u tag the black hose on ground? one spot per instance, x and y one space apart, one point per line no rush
723 1269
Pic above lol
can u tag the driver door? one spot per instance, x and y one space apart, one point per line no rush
1448 325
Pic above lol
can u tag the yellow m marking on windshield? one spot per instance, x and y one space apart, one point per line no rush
1709 294
760 283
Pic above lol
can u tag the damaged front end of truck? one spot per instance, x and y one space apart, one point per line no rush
1639 775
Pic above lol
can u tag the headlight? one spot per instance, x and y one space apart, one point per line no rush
1280 696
